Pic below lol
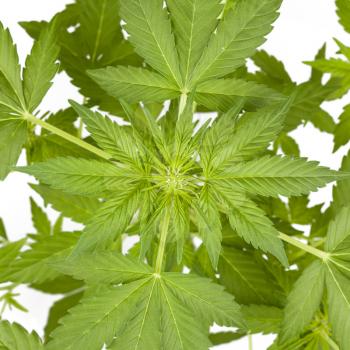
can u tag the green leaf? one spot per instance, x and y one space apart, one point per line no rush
98 318
218 88
99 25
58 310
150 32
104 267
13 135
33 265
338 289
110 136
134 84
10 69
262 319
110 221
214 305
179 329
40 68
246 279
79 176
303 301
237 37
343 11
142 332
194 22
15 337
209 225
8 253
78 208
40 220
272 176
338 231
3 233
341 132
251 223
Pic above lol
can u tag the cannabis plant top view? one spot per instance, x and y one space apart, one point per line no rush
177 144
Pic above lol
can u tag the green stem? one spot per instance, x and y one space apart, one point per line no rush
163 237
30 118
250 342
330 341
307 248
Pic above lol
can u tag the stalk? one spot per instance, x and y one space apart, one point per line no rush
250 342
32 119
307 248
162 244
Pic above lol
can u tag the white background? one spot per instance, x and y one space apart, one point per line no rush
303 27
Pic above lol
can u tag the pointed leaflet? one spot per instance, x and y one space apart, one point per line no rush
142 332
206 298
110 136
238 35
40 68
343 11
99 25
110 221
98 318
342 129
246 279
79 176
338 290
338 231
78 208
228 88
10 69
209 224
194 22
104 267
149 28
32 265
8 253
252 134
134 84
251 223
13 135
273 176
39 218
15 337
178 327
303 301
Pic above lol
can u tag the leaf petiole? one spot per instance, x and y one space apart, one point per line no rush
32 119
162 244
307 248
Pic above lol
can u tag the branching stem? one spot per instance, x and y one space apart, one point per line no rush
32 119
307 248
162 244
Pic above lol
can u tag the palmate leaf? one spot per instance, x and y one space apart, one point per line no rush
194 22
15 337
229 47
79 176
149 28
40 68
156 310
134 84
303 301
270 176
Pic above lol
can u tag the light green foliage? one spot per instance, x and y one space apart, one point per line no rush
180 170
14 337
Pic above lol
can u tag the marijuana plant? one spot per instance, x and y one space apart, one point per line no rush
212 204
